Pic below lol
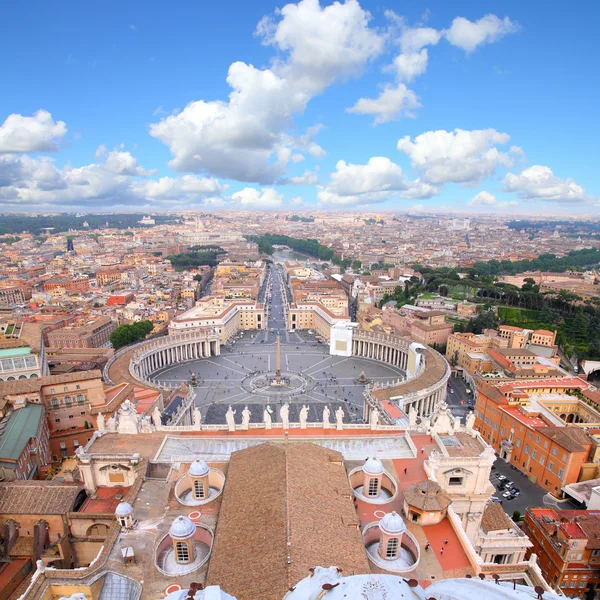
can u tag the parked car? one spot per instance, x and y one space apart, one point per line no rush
501 477
509 484
507 494
496 499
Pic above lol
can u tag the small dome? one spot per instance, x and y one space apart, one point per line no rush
182 528
123 509
373 466
392 523
198 468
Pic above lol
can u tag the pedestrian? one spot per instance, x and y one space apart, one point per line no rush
422 450
427 545
405 470
441 551
445 541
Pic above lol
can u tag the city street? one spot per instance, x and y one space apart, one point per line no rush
457 393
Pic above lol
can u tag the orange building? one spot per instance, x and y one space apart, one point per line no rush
567 544
68 285
512 418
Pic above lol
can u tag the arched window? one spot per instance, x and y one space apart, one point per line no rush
68 400
80 398
183 553
373 489
198 489
55 402
392 548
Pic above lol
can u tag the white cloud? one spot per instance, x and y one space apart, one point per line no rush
307 178
118 181
483 199
391 104
266 198
540 183
39 133
413 39
100 151
245 137
377 181
456 156
469 34
409 66
123 163
188 187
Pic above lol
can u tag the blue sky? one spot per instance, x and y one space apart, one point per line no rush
478 106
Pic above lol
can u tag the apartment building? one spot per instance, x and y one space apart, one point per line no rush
64 285
226 316
10 296
91 334
528 423
567 544
67 400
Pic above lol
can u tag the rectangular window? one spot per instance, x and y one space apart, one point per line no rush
455 481
555 451
542 460
518 443
534 454
373 485
183 555
526 448
550 466
392 548
537 439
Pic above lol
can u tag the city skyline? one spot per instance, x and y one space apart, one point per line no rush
303 106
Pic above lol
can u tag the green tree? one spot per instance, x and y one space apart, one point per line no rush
356 265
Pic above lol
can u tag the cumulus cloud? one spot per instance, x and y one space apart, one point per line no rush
540 183
468 35
409 66
396 101
391 104
266 198
118 181
483 199
38 133
458 156
377 181
307 178
245 138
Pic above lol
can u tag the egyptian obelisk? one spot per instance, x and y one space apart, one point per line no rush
278 360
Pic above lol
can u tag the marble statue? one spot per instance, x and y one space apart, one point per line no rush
245 418
374 419
267 417
470 421
412 417
156 417
303 416
285 416
145 425
101 422
326 413
128 420
230 418
111 425
197 418
79 452
339 418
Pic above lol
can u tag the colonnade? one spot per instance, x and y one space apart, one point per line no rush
406 394
172 350
390 354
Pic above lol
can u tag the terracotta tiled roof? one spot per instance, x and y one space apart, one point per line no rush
286 508
494 518
560 436
427 496
37 497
